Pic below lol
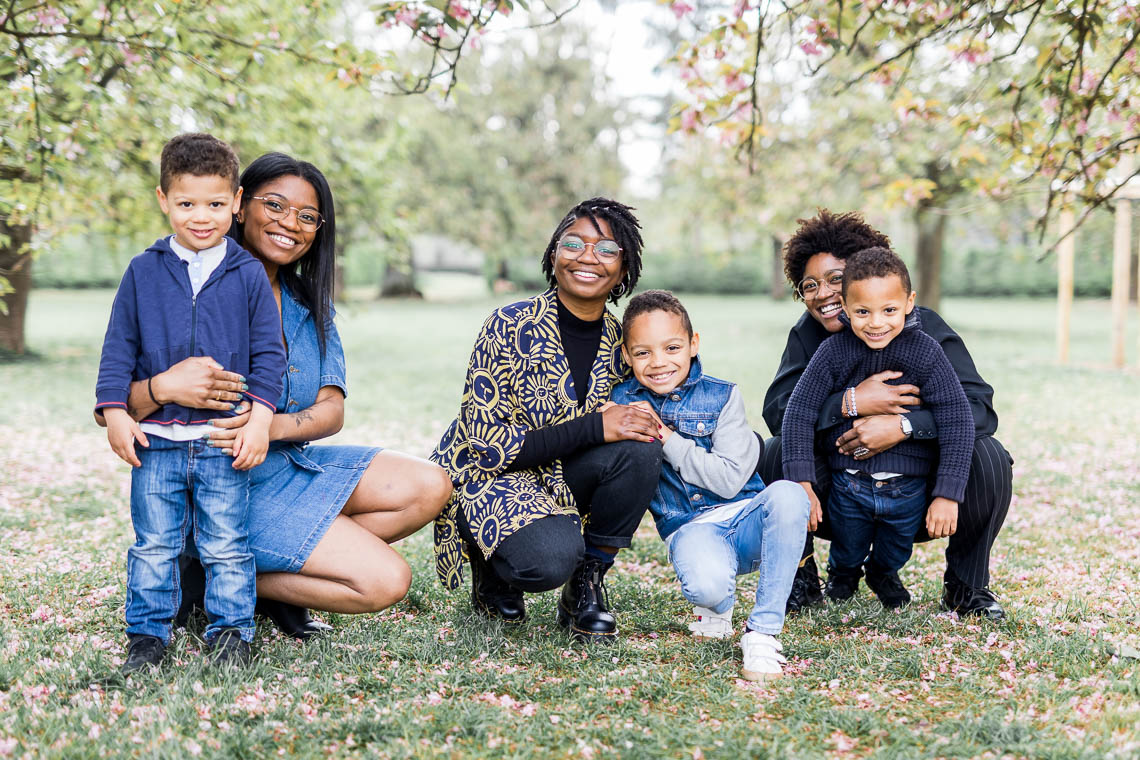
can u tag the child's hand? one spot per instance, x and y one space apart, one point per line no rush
251 441
942 518
815 517
663 432
122 432
226 429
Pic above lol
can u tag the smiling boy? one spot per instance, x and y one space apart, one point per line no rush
711 508
878 502
195 293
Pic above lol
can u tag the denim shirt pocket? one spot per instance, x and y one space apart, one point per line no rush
699 426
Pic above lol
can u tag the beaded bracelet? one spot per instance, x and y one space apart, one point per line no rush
851 408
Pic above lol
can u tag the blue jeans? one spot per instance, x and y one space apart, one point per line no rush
874 521
183 485
766 536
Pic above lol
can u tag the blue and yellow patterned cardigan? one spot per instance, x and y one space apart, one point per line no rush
518 380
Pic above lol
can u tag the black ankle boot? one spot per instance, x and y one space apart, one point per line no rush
583 606
490 594
290 619
192 578
806 591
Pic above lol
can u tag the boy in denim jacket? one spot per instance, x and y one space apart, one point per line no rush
711 507
878 501
195 293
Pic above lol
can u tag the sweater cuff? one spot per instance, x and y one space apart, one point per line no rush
948 487
111 397
799 472
263 395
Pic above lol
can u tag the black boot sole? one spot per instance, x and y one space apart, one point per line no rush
566 620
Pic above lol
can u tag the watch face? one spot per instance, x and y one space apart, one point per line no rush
906 427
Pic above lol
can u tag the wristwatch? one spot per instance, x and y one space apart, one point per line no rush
906 427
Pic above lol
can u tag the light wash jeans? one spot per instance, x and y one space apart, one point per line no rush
183 485
766 536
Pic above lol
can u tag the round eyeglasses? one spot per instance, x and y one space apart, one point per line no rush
276 209
809 287
605 251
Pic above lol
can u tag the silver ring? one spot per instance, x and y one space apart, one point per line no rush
862 451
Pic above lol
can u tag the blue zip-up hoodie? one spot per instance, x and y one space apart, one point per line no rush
711 458
156 322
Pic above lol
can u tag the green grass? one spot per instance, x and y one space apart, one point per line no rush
427 678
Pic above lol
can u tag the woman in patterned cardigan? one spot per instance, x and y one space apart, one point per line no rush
550 479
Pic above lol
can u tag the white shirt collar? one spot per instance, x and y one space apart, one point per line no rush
186 254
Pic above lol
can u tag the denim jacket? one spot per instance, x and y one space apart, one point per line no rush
711 459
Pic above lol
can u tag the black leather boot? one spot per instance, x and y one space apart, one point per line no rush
491 595
806 591
583 606
290 619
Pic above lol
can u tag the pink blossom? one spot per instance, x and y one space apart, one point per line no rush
41 613
1082 127
1050 104
689 119
7 746
455 9
49 16
740 7
680 8
809 47
408 16
735 81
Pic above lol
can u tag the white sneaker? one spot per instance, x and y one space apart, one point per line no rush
762 658
711 625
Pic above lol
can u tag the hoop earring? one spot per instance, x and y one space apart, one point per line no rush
618 290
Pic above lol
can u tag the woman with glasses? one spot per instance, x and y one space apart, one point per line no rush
551 480
322 518
814 260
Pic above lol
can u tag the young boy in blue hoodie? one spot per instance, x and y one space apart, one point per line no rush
195 293
711 507
878 502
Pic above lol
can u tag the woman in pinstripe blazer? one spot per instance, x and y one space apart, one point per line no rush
814 259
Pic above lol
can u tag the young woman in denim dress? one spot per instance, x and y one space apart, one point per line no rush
322 518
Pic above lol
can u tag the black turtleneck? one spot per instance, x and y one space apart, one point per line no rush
580 342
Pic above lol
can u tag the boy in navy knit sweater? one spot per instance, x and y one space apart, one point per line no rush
195 293
878 502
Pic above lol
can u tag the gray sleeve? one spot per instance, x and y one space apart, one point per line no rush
727 467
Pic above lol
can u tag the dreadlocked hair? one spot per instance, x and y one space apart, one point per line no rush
875 262
841 235
655 300
627 234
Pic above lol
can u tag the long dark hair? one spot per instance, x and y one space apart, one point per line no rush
627 234
311 277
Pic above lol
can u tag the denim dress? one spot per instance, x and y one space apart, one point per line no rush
299 489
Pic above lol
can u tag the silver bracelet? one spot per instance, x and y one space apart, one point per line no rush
851 402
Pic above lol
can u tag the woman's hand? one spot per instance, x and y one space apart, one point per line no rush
228 427
875 396
663 432
628 423
876 434
815 516
198 382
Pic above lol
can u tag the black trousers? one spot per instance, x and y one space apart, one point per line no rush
980 515
613 484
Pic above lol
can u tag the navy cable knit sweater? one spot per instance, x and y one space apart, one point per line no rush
843 361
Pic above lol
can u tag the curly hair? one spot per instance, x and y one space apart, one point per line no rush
841 235
627 234
875 262
199 155
655 300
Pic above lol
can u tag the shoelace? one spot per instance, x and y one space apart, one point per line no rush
590 580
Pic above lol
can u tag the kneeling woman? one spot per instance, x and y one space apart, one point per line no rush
532 458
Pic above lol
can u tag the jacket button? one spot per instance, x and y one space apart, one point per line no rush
292 369
674 397
700 426
696 497
672 428
292 402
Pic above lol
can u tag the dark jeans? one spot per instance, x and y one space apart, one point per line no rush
612 484
980 515
874 521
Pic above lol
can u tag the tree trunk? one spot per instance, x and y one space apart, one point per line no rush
16 267
931 227
399 282
776 287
